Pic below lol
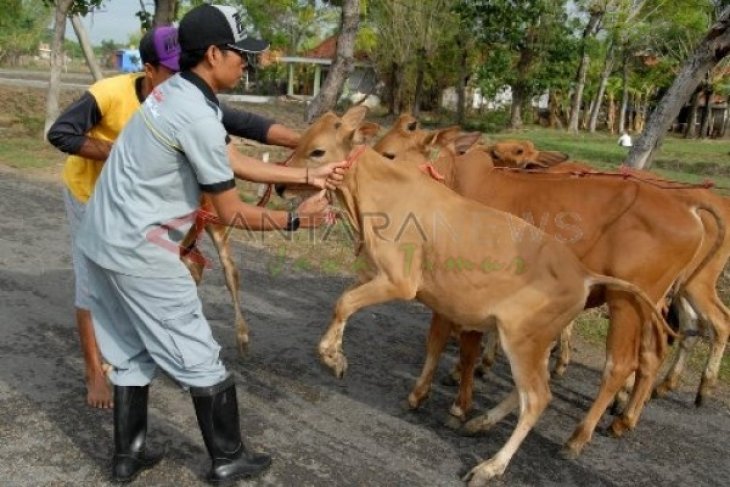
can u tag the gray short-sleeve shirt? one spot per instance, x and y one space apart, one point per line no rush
149 190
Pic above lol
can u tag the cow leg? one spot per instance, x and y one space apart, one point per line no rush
652 352
486 421
715 318
621 360
438 337
191 256
491 347
564 357
688 328
529 363
378 290
220 234
469 348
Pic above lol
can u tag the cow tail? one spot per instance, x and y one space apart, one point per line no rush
621 285
721 229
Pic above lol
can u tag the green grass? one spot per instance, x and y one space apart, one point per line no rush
692 161
25 152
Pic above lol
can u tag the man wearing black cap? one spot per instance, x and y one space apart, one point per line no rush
147 314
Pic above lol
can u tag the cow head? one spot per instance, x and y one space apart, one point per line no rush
523 154
329 139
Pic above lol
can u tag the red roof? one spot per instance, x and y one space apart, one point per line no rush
327 49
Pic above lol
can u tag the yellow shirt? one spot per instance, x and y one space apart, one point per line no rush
117 100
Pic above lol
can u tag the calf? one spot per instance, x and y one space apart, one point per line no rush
599 221
420 240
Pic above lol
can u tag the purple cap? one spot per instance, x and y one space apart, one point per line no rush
160 46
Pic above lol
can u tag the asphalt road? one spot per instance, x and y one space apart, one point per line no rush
321 431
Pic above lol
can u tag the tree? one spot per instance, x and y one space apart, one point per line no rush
86 48
22 24
62 10
710 51
519 27
596 9
342 64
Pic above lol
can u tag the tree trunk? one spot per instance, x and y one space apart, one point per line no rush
420 73
165 12
519 88
706 113
342 65
461 87
587 114
691 128
607 68
88 51
57 59
611 114
580 78
724 129
624 96
711 50
515 121
554 111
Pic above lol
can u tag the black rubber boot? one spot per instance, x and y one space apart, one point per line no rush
217 410
130 433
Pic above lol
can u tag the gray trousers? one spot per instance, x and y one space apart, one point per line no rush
142 323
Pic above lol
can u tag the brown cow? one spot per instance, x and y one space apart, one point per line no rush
462 259
698 300
599 220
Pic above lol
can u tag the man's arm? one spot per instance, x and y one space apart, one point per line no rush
68 132
255 127
250 169
282 136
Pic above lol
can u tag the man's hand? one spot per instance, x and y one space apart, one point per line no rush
329 176
315 211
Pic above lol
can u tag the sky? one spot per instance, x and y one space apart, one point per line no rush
115 20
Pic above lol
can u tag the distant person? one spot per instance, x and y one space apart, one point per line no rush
625 140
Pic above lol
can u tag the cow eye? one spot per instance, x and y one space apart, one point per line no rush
316 153
412 126
519 152
389 155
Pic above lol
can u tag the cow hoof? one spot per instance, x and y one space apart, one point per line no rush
570 452
477 426
414 401
337 362
559 372
480 475
699 400
618 428
660 392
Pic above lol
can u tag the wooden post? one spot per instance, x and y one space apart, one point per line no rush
317 79
290 86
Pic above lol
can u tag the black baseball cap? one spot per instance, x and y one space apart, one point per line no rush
216 25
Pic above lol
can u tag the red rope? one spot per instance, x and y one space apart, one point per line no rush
624 172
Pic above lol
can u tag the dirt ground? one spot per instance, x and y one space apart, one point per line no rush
321 431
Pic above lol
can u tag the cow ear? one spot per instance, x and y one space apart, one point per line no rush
551 158
533 165
354 117
465 142
366 132
442 137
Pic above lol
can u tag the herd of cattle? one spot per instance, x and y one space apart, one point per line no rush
513 243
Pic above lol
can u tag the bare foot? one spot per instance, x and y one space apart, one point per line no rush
98 390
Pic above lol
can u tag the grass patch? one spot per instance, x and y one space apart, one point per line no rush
25 152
